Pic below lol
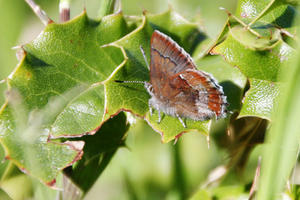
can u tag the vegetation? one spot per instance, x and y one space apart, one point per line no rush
69 131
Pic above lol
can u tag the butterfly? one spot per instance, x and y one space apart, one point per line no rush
177 88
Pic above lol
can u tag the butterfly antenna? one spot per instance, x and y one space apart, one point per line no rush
140 82
145 58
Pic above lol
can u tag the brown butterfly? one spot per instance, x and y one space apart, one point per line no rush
176 87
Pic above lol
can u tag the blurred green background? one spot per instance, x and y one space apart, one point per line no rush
147 169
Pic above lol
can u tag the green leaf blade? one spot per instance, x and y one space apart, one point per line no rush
282 146
260 60
57 91
99 150
261 99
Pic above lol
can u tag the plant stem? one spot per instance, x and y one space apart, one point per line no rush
179 179
107 7
64 10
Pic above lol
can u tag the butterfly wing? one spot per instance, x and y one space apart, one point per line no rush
164 46
210 97
167 59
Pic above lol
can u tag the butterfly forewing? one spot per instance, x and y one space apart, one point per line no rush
159 76
168 48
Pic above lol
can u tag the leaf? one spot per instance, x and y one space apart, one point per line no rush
13 182
41 191
233 191
134 97
247 39
98 151
221 192
282 144
276 12
2 89
57 91
261 99
201 194
260 65
17 187
268 16
4 195
5 163
254 63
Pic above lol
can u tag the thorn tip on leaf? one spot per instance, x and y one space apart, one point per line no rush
39 12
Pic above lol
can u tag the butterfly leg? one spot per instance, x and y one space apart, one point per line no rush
159 117
150 108
181 121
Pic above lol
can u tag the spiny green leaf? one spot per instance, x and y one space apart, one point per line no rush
57 91
98 151
268 16
276 12
282 144
247 39
70 55
261 65
261 99
258 64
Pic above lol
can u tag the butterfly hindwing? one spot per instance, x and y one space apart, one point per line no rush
210 93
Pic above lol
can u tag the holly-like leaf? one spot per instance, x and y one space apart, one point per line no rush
134 97
57 91
268 16
281 152
260 62
254 63
273 12
260 99
98 151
